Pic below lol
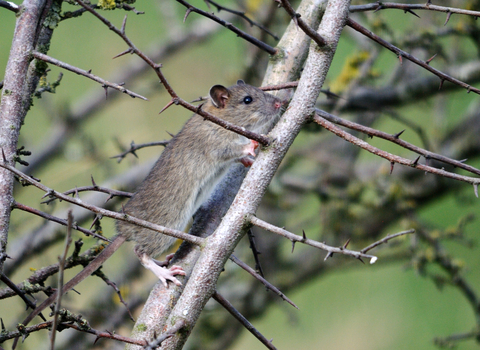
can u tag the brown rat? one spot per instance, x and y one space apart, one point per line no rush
185 175
192 164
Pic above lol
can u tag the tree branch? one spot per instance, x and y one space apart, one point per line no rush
393 158
14 105
220 244
229 26
400 53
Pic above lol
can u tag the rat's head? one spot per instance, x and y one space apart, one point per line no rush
245 105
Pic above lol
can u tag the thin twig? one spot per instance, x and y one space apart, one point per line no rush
296 17
94 188
395 139
242 15
61 269
295 238
260 44
118 216
234 312
405 7
391 157
63 222
134 147
255 252
386 239
261 279
89 75
400 53
20 293
46 325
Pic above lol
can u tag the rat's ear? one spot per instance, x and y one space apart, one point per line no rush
219 95
240 82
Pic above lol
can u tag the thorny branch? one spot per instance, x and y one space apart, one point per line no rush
242 15
393 158
87 74
261 279
396 139
112 193
400 53
260 44
296 17
234 312
329 249
61 264
409 7
52 218
22 331
119 216
35 282
134 147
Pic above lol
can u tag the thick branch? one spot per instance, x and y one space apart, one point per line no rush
219 246
14 105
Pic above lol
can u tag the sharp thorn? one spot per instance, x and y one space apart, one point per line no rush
129 50
449 14
186 14
415 162
397 135
392 164
411 12
431 58
167 105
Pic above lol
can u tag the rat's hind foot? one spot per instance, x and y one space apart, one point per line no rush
162 273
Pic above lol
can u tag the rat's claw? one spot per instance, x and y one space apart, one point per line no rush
162 273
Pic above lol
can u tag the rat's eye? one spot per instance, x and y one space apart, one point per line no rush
247 100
